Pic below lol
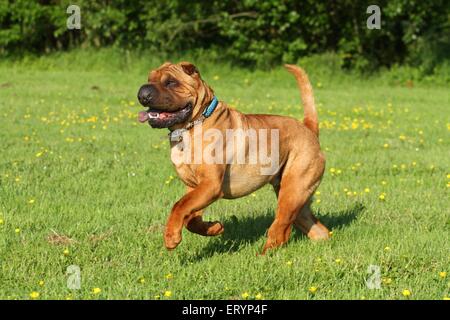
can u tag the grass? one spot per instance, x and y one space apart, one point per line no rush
81 183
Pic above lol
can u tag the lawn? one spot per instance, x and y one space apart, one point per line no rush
82 183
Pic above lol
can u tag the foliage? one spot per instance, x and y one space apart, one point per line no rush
250 32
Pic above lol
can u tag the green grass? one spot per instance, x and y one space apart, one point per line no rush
102 180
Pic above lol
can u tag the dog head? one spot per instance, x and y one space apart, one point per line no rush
174 95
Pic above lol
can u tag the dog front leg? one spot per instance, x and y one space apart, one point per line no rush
195 200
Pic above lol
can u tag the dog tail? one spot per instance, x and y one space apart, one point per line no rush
311 119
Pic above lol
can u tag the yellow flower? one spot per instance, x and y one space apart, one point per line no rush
169 276
406 293
17 230
157 297
386 145
96 290
402 137
332 170
330 233
142 280
312 290
31 201
39 154
387 280
66 252
34 295
448 176
382 197
258 296
338 261
317 200
168 294
387 248
2 221
69 297
216 77
41 283
289 263
366 190
245 295
442 274
446 298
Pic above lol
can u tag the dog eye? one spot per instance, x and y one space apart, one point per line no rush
170 83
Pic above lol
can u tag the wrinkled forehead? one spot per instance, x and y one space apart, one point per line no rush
166 71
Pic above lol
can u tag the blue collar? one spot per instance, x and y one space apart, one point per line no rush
210 109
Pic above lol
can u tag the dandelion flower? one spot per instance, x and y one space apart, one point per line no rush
31 201
289 263
169 276
338 261
386 145
406 293
66 252
142 280
2 221
442 274
366 190
245 295
17 230
258 296
312 290
168 294
41 283
96 290
382 197
387 248
34 295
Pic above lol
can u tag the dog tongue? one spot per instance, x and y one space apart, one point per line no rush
143 116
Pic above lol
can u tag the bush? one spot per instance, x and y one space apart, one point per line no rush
249 32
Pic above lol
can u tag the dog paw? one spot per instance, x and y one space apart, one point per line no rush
172 240
215 228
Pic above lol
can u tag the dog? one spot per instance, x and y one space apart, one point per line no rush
177 98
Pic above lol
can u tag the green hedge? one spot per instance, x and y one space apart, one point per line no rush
251 32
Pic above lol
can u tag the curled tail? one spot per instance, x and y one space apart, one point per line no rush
311 119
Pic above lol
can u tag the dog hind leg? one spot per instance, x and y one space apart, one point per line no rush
294 191
310 225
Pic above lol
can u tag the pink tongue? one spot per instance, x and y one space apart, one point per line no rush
143 116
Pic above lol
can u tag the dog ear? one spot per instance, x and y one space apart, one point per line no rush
189 68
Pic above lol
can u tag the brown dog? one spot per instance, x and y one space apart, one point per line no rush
180 100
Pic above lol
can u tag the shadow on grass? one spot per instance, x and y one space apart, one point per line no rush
249 229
